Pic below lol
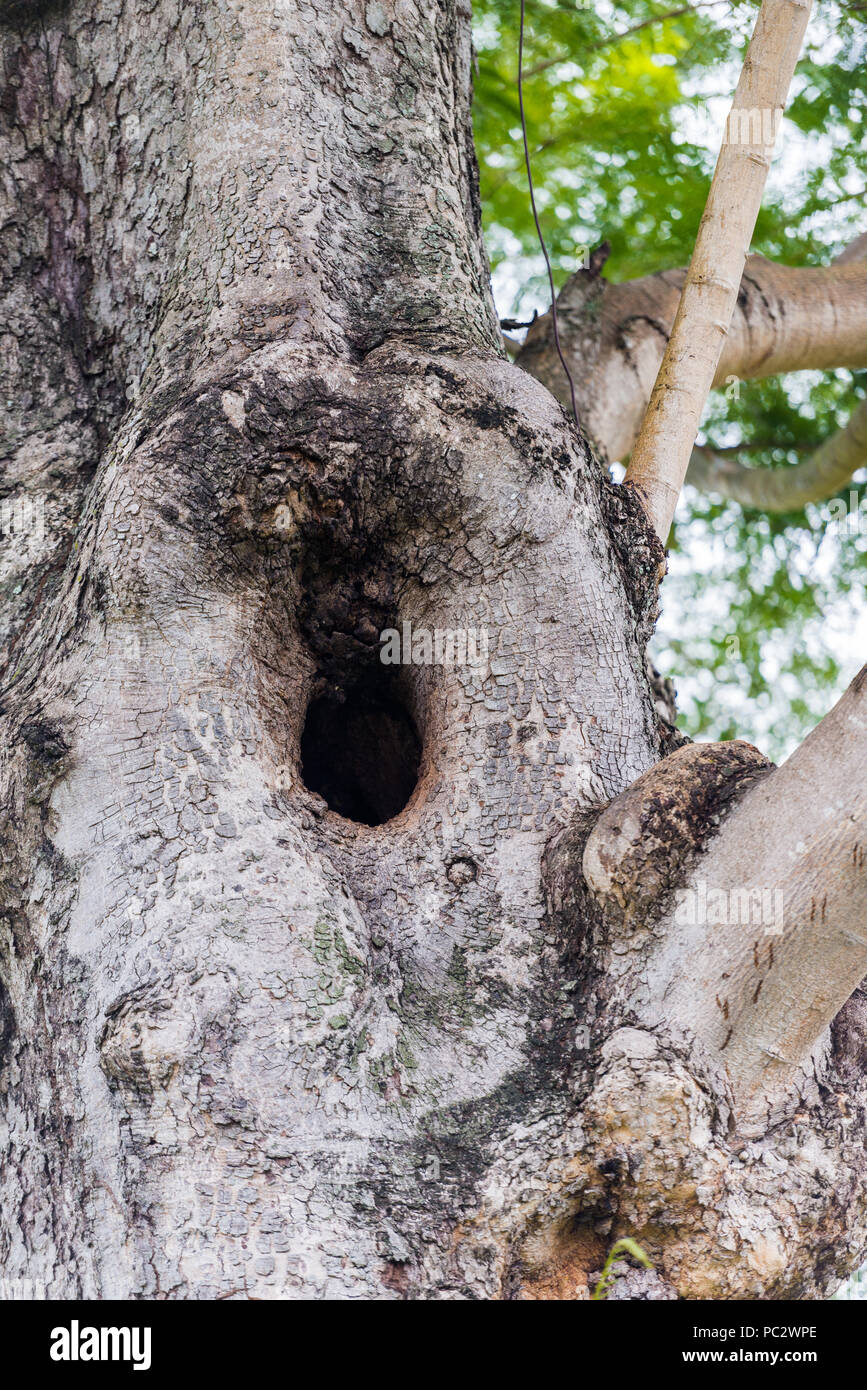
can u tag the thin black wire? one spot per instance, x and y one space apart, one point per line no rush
536 217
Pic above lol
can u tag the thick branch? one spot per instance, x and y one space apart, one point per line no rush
765 942
786 489
831 465
786 319
802 833
855 251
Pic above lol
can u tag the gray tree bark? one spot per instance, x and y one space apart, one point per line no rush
258 412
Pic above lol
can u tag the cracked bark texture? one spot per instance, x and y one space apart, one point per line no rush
258 403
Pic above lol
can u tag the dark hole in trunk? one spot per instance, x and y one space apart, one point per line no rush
360 752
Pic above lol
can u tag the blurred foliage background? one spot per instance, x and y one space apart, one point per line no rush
763 617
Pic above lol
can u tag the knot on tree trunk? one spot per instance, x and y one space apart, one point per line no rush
644 840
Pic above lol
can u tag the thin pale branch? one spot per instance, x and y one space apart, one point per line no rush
665 441
855 251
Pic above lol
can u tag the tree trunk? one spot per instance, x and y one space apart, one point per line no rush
304 992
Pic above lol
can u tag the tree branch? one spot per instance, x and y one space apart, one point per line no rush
758 926
612 39
661 454
786 489
855 251
829 468
787 318
801 832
